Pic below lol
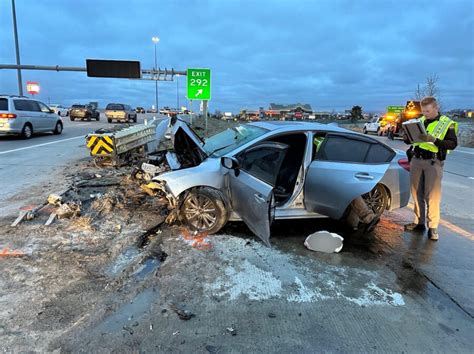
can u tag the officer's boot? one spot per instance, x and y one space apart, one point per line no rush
433 234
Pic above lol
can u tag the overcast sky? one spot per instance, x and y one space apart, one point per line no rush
330 54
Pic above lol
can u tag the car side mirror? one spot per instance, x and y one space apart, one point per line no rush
51 110
231 163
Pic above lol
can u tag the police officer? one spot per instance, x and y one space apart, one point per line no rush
426 166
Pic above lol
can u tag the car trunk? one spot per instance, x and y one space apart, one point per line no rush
115 114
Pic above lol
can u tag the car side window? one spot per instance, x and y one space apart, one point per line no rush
43 107
33 106
21 105
339 148
346 149
262 163
379 154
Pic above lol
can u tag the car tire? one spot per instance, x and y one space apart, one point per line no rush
135 119
203 210
98 117
58 129
364 130
72 119
377 199
109 120
27 131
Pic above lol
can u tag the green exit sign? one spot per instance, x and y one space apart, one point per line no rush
395 109
198 84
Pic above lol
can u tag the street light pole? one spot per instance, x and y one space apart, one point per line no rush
156 40
15 32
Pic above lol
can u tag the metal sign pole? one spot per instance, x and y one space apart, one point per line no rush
20 85
204 112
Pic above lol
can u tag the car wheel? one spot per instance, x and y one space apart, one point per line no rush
27 131
72 119
203 210
109 120
98 117
364 131
377 199
58 129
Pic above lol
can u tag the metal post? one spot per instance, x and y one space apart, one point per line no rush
156 84
20 85
204 112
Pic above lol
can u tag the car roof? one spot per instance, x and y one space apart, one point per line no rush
294 126
16 96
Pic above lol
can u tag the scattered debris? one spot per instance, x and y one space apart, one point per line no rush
69 210
232 331
176 333
7 252
54 199
324 241
196 239
271 315
184 315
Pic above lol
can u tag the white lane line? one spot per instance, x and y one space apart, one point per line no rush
39 145
464 151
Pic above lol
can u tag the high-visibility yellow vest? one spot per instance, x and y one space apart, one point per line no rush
438 129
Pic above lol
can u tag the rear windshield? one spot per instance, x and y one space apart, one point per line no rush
78 106
115 107
3 104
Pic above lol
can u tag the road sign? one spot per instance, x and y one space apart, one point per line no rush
395 109
198 84
33 88
125 69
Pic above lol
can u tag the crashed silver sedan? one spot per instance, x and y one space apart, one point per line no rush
262 171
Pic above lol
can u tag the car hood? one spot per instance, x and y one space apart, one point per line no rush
188 146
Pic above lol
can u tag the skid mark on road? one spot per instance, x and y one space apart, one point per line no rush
40 145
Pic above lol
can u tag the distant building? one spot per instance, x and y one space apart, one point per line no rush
291 108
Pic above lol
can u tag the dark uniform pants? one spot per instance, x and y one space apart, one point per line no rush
425 181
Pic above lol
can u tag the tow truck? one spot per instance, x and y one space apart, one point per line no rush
393 127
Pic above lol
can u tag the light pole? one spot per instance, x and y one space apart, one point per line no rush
15 32
156 40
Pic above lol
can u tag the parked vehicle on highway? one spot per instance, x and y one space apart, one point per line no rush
140 110
120 113
59 110
20 115
373 126
262 171
83 111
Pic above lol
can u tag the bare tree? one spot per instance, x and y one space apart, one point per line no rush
431 88
419 94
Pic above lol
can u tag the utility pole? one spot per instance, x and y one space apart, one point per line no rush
20 85
177 92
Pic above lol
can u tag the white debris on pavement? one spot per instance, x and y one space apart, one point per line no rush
324 241
266 273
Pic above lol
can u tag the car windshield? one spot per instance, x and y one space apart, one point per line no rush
230 139
78 106
115 107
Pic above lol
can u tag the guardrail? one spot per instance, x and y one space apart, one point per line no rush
119 144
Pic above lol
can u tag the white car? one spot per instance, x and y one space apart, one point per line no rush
373 126
59 110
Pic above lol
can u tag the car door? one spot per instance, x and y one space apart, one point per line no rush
251 185
345 166
35 115
48 118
